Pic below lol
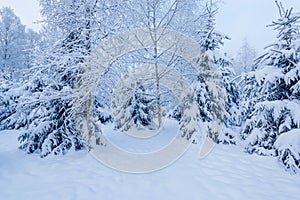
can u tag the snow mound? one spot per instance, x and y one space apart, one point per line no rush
288 147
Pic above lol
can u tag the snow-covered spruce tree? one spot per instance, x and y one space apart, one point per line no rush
203 99
274 112
10 92
233 119
138 109
48 104
203 31
7 101
206 37
211 41
141 104
72 29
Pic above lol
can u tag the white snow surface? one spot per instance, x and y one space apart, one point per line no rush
226 173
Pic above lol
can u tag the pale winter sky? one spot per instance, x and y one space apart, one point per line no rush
239 19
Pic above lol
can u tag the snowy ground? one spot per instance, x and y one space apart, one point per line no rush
227 173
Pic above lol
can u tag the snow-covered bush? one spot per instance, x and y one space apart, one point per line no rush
288 148
7 103
135 109
268 121
229 135
10 92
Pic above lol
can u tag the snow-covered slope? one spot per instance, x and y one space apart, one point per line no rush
226 173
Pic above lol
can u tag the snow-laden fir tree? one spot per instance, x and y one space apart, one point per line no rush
203 99
233 119
141 104
211 41
8 101
271 97
72 29
138 109
11 91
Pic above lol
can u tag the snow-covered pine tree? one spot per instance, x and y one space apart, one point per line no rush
7 101
139 110
141 104
207 39
48 104
72 29
203 99
273 111
233 120
211 41
11 91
